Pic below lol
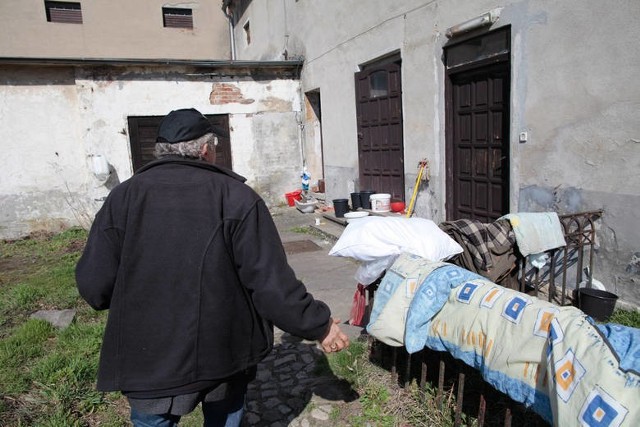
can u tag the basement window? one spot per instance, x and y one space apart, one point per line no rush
173 17
63 12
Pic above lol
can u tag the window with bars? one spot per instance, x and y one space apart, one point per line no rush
173 17
63 12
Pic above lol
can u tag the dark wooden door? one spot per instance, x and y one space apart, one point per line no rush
479 160
477 125
143 131
379 118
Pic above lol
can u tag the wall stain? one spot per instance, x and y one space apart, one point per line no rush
277 104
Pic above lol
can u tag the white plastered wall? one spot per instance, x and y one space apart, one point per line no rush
54 123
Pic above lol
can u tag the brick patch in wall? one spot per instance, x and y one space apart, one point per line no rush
225 93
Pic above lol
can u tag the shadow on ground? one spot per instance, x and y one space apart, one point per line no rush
288 380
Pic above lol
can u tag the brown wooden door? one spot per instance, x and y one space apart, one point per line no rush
477 125
143 131
479 160
379 117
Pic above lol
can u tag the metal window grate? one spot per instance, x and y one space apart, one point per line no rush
63 12
177 17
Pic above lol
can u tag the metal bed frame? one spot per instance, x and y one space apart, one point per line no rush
446 375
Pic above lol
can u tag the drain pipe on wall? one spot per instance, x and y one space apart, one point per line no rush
300 119
301 139
232 39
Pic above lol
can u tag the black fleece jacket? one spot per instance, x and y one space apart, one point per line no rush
190 265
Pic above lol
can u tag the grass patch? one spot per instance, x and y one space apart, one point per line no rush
47 375
38 273
382 401
17 352
626 318
312 231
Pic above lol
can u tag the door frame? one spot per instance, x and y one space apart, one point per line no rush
483 63
365 181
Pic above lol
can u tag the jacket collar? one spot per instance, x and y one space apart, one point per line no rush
191 162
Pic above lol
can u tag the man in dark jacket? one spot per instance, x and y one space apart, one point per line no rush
190 265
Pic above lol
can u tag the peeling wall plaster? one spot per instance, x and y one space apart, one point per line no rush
53 121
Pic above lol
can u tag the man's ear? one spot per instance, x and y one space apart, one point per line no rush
204 150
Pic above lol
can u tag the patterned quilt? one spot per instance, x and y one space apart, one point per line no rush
553 359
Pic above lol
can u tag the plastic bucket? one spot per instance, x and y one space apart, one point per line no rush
365 202
355 201
341 207
293 196
380 202
596 303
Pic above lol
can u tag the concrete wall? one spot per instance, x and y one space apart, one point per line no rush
268 32
53 120
574 91
114 29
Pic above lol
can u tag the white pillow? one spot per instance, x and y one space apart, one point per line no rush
374 237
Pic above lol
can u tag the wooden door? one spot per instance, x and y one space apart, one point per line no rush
379 120
477 153
143 131
480 160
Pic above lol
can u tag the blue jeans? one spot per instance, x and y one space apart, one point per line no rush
216 414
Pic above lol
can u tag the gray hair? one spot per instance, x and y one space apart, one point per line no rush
191 149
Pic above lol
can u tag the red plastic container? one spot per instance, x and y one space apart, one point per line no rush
293 196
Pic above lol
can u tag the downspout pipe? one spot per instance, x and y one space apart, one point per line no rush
232 39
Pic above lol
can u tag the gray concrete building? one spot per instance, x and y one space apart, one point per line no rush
516 106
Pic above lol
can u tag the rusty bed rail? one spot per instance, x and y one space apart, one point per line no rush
447 376
551 282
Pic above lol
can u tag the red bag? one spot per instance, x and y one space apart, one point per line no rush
358 306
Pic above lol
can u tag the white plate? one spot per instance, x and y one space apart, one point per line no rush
350 216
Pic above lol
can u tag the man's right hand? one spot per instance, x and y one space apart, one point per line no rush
335 340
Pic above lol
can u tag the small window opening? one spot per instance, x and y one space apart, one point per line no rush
63 12
378 84
173 17
247 32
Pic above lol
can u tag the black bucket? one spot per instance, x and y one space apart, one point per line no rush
596 303
364 198
355 201
341 207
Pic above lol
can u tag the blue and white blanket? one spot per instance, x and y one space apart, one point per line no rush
553 359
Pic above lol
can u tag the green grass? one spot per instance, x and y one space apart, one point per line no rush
307 229
47 375
382 402
38 273
626 318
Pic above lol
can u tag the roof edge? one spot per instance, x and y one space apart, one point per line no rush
293 64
